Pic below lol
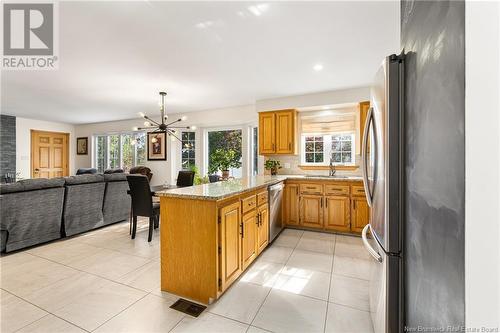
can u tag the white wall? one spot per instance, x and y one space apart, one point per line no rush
23 142
343 96
166 171
482 164
243 117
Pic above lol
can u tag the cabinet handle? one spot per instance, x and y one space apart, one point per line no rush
310 187
290 146
242 233
354 204
326 203
321 202
274 146
297 190
258 219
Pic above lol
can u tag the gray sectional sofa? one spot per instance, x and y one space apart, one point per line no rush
36 211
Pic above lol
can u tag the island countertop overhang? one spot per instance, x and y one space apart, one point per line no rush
224 189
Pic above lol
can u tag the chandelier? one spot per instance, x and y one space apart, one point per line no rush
153 126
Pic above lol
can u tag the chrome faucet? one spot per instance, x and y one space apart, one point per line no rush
332 168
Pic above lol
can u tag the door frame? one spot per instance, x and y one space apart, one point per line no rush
32 131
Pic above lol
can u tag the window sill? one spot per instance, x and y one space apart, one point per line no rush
327 167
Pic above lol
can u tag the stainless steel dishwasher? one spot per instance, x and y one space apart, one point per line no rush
275 203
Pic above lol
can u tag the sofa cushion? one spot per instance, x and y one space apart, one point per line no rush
31 185
83 179
115 177
111 171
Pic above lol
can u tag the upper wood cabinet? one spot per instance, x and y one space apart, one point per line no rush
277 132
363 112
230 244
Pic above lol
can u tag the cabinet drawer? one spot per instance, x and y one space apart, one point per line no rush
248 203
337 189
311 188
262 198
358 190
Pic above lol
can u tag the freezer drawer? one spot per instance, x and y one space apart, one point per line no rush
385 289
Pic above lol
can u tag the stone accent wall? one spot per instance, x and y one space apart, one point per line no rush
7 145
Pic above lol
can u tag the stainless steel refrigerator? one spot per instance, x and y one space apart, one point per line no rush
383 172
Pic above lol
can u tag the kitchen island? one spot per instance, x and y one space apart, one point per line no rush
211 233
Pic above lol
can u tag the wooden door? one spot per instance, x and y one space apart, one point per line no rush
285 127
291 204
337 213
49 154
263 230
230 244
249 238
360 214
267 133
311 211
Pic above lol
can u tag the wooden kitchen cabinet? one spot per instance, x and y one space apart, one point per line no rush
311 211
277 132
249 239
363 112
291 204
360 213
262 227
230 244
267 133
337 213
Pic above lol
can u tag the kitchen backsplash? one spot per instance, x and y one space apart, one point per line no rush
294 162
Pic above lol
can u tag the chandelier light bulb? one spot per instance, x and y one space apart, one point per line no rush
135 128
154 140
142 114
184 118
192 127
147 123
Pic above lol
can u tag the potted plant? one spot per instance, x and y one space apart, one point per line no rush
223 160
272 165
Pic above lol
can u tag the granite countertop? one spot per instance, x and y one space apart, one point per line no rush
224 189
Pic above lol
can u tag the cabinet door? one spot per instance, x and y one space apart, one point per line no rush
311 211
285 132
360 214
263 228
363 112
337 213
267 133
292 204
230 244
249 238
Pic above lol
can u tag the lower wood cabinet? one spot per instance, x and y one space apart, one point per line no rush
230 244
262 227
341 208
311 211
291 204
360 213
337 213
249 239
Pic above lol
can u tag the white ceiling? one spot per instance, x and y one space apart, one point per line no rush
116 56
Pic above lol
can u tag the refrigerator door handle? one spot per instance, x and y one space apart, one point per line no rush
364 155
367 245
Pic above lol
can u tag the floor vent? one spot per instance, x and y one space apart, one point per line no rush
188 307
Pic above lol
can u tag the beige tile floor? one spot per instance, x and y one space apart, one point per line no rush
103 281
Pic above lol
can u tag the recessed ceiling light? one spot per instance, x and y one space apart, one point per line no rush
318 67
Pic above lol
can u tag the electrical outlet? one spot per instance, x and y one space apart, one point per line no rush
286 165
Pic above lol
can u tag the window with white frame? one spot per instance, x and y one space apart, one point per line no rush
188 150
123 150
317 149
